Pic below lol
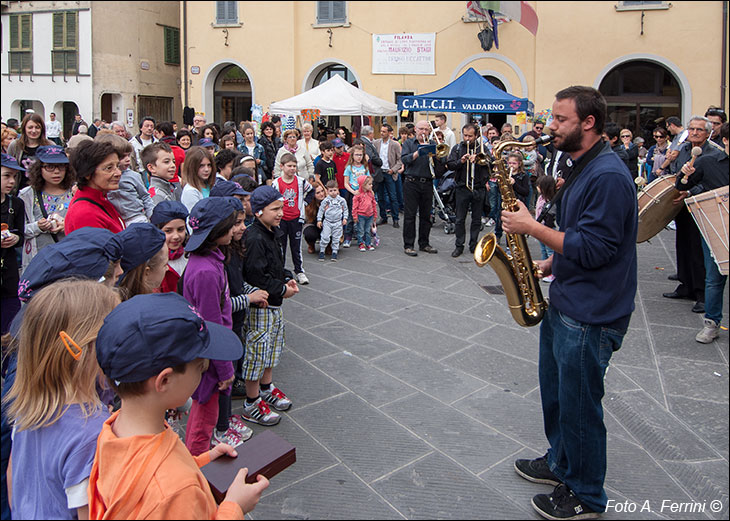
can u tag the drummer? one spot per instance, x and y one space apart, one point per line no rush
709 173
690 261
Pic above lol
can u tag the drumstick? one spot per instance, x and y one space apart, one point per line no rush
696 151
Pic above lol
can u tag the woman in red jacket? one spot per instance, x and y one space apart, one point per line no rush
97 174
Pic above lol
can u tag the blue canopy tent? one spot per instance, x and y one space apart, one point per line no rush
469 93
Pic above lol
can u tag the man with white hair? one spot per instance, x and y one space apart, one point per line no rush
199 122
118 128
690 259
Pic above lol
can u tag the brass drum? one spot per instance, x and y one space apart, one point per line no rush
710 212
655 207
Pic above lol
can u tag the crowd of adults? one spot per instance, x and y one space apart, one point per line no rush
103 177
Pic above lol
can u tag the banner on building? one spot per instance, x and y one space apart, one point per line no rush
407 53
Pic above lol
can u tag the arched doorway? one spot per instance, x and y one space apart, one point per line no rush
232 96
495 119
323 72
640 96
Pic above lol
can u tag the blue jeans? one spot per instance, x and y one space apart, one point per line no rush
387 198
349 227
714 286
495 207
399 192
364 226
573 361
546 252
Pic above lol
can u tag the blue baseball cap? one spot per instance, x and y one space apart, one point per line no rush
167 211
206 143
263 196
84 253
51 154
223 188
337 142
206 215
140 242
148 333
9 161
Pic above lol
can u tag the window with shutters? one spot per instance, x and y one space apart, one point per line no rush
172 45
20 54
226 13
65 53
331 13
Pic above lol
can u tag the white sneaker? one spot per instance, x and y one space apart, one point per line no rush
709 333
243 430
346 244
231 437
259 412
302 278
276 398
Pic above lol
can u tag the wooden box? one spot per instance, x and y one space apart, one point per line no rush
265 453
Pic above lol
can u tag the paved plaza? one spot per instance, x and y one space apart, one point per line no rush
414 391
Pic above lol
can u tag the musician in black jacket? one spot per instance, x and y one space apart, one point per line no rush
418 191
471 180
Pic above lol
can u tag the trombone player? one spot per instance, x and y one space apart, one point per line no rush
471 173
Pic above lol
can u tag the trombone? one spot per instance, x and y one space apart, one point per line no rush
482 158
470 166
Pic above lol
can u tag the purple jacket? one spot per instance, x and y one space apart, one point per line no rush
205 286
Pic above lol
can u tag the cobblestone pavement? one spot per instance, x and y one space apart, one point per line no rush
414 391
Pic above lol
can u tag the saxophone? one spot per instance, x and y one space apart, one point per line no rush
516 271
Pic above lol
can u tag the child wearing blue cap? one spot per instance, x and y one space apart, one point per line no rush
46 200
264 326
170 217
205 286
153 349
144 259
12 216
56 413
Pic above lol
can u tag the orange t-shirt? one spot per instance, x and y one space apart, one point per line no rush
151 477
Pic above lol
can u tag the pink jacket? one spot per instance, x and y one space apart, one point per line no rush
364 203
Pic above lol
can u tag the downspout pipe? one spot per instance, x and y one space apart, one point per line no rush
185 50
723 61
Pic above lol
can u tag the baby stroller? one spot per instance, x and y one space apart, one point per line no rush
444 195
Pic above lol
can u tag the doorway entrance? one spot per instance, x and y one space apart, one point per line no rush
232 96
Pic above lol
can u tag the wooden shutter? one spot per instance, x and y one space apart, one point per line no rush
232 12
172 45
71 30
331 12
14 32
339 12
58 27
26 32
226 12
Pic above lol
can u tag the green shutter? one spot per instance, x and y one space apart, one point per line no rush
14 33
58 40
71 32
26 32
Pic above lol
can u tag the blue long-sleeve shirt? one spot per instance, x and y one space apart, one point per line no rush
595 276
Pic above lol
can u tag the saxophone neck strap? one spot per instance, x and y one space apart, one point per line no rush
574 171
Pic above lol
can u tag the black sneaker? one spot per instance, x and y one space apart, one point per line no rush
239 389
537 471
562 504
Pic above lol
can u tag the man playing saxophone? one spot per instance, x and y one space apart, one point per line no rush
591 301
471 187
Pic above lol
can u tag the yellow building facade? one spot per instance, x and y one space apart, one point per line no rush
650 59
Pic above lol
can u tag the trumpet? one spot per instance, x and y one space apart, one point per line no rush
442 149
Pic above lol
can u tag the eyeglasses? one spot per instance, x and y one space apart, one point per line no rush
110 169
715 112
625 135
54 168
658 136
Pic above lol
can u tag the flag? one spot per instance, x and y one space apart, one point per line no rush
518 11
475 10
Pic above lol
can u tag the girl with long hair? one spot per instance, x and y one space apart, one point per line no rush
197 174
32 136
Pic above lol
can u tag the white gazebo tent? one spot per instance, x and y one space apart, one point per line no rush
335 97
